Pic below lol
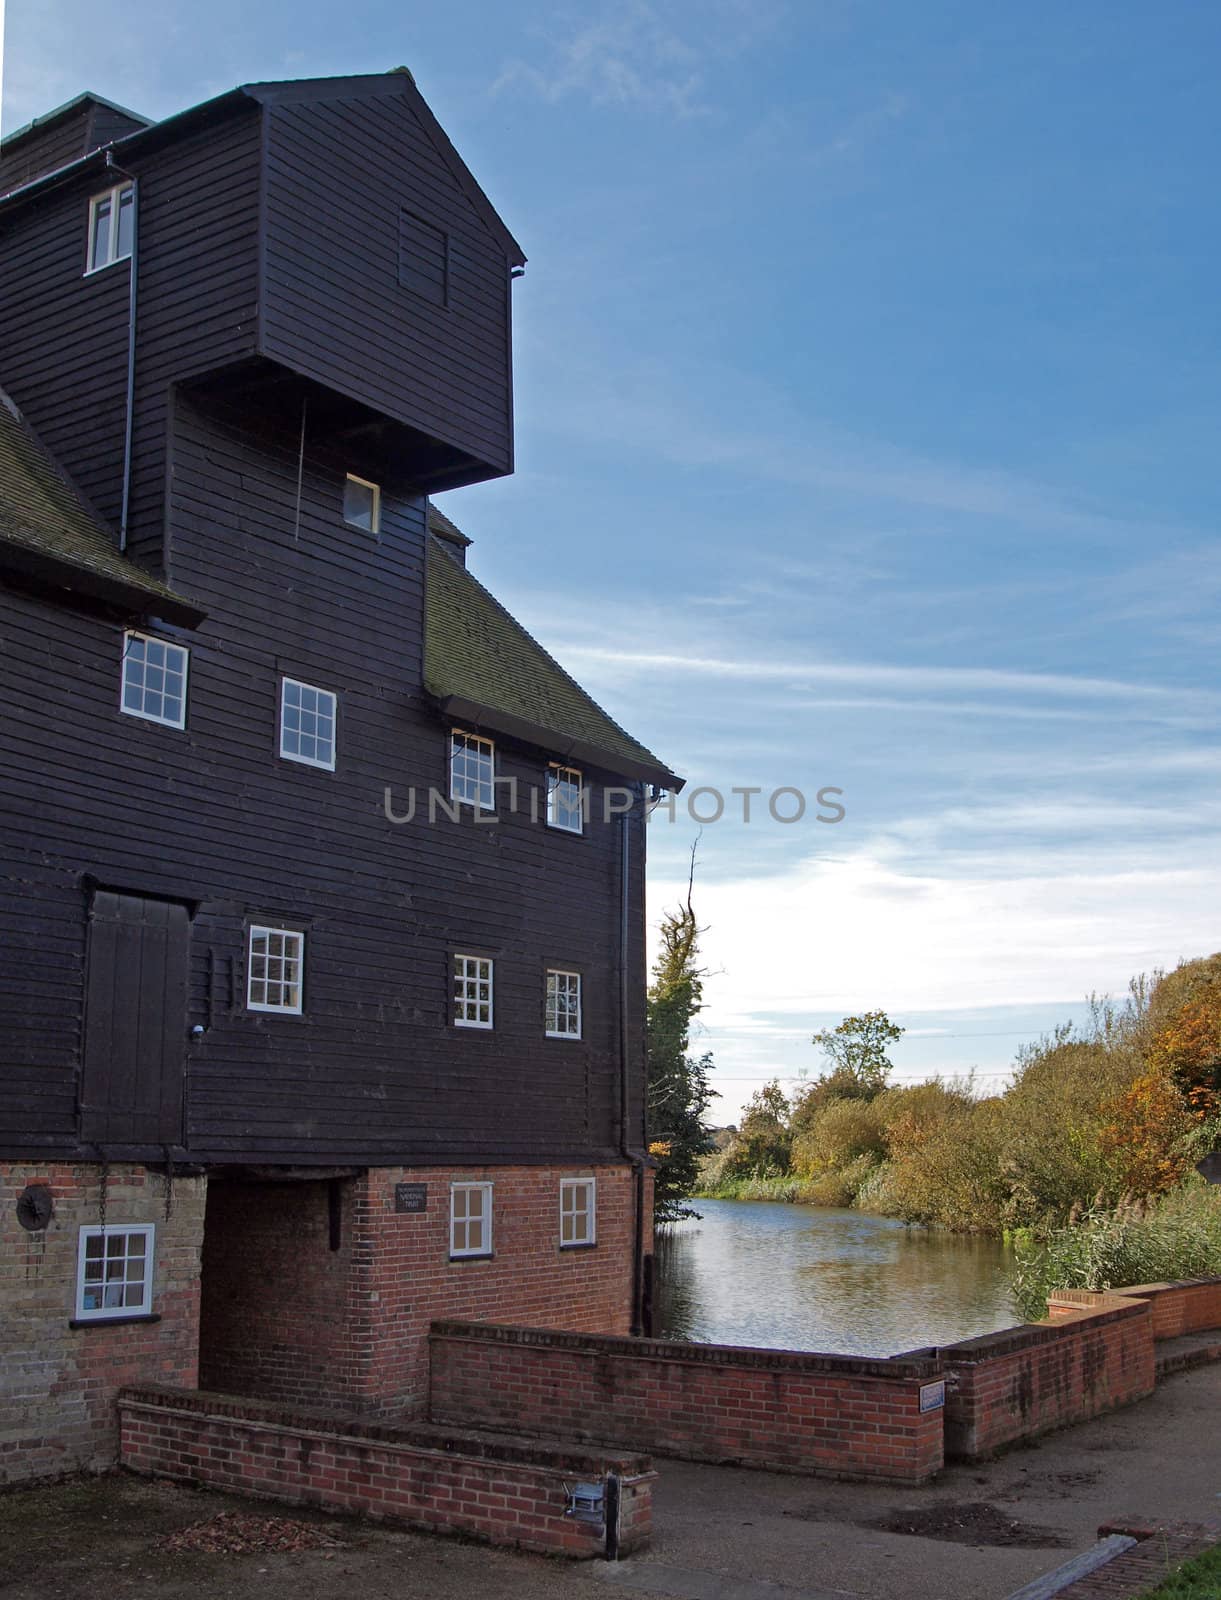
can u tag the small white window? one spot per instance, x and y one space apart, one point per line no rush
566 800
114 1272
472 992
470 1219
154 680
277 956
307 724
578 1212
472 770
112 226
362 503
563 1009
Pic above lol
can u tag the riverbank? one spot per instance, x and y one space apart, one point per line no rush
787 1190
977 1533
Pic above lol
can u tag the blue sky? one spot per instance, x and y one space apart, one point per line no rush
867 403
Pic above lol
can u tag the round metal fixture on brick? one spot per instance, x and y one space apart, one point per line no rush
34 1207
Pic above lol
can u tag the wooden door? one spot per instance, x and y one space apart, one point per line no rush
135 1021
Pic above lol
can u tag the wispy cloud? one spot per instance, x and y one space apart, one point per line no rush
970 679
631 56
640 408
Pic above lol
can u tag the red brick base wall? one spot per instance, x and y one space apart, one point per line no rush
1027 1380
843 1416
511 1492
58 1383
1192 1306
288 1318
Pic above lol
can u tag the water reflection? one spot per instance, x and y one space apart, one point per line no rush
803 1278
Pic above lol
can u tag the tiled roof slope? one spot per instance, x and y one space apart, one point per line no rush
48 532
480 662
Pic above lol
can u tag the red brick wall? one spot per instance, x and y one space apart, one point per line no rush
1014 1385
845 1416
287 1318
58 1383
511 1492
1192 1306
274 1316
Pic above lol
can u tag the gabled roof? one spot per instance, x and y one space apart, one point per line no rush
48 533
398 81
37 124
484 669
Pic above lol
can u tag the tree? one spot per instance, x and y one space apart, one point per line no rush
857 1051
1149 1138
764 1142
678 1090
1188 1050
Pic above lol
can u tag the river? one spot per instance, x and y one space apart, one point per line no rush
805 1278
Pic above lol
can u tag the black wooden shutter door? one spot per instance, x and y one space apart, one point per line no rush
135 1021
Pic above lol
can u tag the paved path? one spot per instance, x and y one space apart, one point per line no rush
722 1534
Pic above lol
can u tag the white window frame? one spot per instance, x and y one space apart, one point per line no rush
290 755
557 773
484 1247
265 929
467 977
167 644
560 1033
483 746
376 517
114 196
105 1313
568 1186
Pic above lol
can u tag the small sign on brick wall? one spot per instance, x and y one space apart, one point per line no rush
932 1395
411 1197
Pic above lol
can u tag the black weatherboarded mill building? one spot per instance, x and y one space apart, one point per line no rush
321 897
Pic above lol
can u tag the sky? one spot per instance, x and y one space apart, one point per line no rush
868 398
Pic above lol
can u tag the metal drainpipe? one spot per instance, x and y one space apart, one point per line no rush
132 304
625 1146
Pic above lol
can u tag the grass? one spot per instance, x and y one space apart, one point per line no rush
1178 1236
784 1187
1198 1579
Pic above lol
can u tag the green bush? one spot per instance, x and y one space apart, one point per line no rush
839 1189
1108 1248
844 1131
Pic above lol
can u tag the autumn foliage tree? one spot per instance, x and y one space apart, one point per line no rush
1187 1051
1148 1137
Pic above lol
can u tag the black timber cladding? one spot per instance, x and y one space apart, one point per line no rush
374 1070
64 334
62 136
251 403
341 174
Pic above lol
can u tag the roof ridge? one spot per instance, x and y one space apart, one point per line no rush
46 117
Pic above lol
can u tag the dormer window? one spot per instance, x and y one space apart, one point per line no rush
362 503
112 226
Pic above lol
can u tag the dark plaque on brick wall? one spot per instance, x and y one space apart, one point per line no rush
411 1197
